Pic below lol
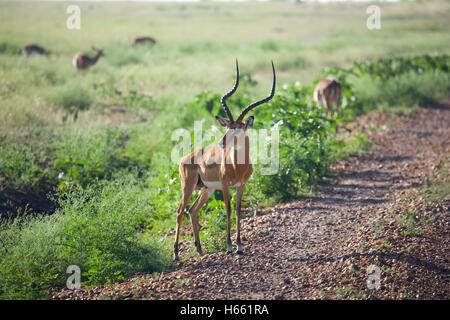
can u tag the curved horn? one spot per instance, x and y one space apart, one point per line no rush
257 103
223 100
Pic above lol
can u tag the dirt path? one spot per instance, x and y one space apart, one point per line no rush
320 247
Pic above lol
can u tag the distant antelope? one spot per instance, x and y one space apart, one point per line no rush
82 61
34 49
328 93
144 40
219 167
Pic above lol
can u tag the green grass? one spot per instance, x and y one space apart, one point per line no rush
9 48
72 98
24 160
413 224
437 189
406 90
349 293
107 132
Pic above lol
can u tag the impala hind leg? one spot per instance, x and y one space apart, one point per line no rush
329 105
188 186
226 199
193 212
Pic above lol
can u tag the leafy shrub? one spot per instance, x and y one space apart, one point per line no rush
420 80
408 89
392 67
303 151
24 164
19 164
97 228
86 156
29 265
9 48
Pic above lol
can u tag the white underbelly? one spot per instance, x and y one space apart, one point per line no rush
217 185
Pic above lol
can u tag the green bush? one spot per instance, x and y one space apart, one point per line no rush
393 67
25 164
9 48
29 263
88 155
406 90
421 80
97 228
304 153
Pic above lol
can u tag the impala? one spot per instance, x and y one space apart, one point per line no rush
82 61
34 49
219 167
144 40
328 93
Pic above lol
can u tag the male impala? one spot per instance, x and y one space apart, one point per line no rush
82 61
34 49
328 93
144 40
219 167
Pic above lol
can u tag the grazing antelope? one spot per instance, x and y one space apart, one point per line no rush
144 40
34 49
82 61
328 93
219 167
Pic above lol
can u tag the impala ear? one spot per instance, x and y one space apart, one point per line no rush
222 121
249 122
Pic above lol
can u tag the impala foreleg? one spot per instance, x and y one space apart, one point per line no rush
180 212
239 192
226 199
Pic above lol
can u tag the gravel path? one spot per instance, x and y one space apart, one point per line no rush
320 246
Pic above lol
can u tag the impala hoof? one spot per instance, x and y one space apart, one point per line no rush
229 251
240 252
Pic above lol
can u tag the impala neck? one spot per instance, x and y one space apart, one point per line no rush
239 152
96 57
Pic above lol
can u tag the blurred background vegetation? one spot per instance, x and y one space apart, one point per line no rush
85 171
